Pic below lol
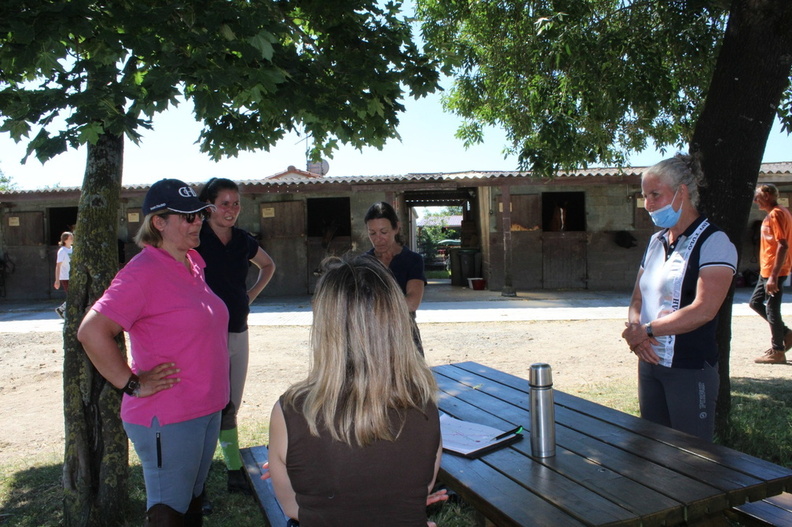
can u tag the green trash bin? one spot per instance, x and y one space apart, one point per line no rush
469 266
454 267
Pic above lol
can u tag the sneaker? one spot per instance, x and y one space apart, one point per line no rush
238 482
772 356
788 340
59 310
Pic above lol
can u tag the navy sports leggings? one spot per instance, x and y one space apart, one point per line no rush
680 398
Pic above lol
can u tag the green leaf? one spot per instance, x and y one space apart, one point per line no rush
17 129
90 133
261 42
226 32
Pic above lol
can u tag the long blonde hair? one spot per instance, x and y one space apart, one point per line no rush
365 363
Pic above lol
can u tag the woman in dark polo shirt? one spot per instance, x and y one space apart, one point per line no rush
228 252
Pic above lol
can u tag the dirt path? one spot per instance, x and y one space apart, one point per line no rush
583 354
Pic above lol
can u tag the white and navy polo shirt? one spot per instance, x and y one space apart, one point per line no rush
668 283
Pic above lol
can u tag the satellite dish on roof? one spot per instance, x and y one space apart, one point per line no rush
320 167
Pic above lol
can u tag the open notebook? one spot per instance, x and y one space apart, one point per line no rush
472 439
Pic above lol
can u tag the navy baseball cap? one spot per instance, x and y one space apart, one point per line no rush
173 195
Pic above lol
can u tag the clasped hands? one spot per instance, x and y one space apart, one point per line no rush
640 343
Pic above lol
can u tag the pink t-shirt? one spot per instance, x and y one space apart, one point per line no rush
171 315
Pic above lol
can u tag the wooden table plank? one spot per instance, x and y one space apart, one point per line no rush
472 480
766 513
653 507
523 470
738 485
613 436
783 501
577 500
776 479
663 481
608 454
720 453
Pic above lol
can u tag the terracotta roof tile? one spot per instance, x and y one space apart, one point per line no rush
295 177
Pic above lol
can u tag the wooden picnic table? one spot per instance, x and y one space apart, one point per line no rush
610 468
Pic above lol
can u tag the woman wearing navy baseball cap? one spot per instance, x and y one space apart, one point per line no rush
177 382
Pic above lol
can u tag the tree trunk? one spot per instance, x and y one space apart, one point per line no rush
750 77
96 460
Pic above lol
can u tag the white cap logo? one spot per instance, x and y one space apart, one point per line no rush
187 192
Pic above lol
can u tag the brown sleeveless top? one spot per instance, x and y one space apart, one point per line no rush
383 484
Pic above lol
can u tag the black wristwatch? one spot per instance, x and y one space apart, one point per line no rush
648 328
132 386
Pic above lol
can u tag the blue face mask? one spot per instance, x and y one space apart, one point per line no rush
666 217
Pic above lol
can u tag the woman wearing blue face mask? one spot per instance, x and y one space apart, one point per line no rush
684 277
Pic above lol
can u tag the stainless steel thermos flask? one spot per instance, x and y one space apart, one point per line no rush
543 442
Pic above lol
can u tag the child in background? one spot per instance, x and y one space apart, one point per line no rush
62 266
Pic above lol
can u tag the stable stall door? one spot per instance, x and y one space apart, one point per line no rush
283 237
564 260
564 240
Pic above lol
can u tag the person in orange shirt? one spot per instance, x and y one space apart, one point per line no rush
775 263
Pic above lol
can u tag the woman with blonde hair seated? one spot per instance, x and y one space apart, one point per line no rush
358 441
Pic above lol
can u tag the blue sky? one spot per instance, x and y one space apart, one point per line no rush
428 145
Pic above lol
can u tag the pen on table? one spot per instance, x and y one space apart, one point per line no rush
510 432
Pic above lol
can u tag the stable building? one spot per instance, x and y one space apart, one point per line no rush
581 230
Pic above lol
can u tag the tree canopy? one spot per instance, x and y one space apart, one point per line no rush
6 183
579 82
76 72
338 71
576 82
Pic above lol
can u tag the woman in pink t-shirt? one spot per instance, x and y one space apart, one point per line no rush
177 383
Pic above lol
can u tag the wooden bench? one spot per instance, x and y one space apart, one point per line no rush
253 458
769 511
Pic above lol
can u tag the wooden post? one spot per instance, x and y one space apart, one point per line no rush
508 288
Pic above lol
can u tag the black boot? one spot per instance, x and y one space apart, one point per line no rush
160 515
238 482
194 515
